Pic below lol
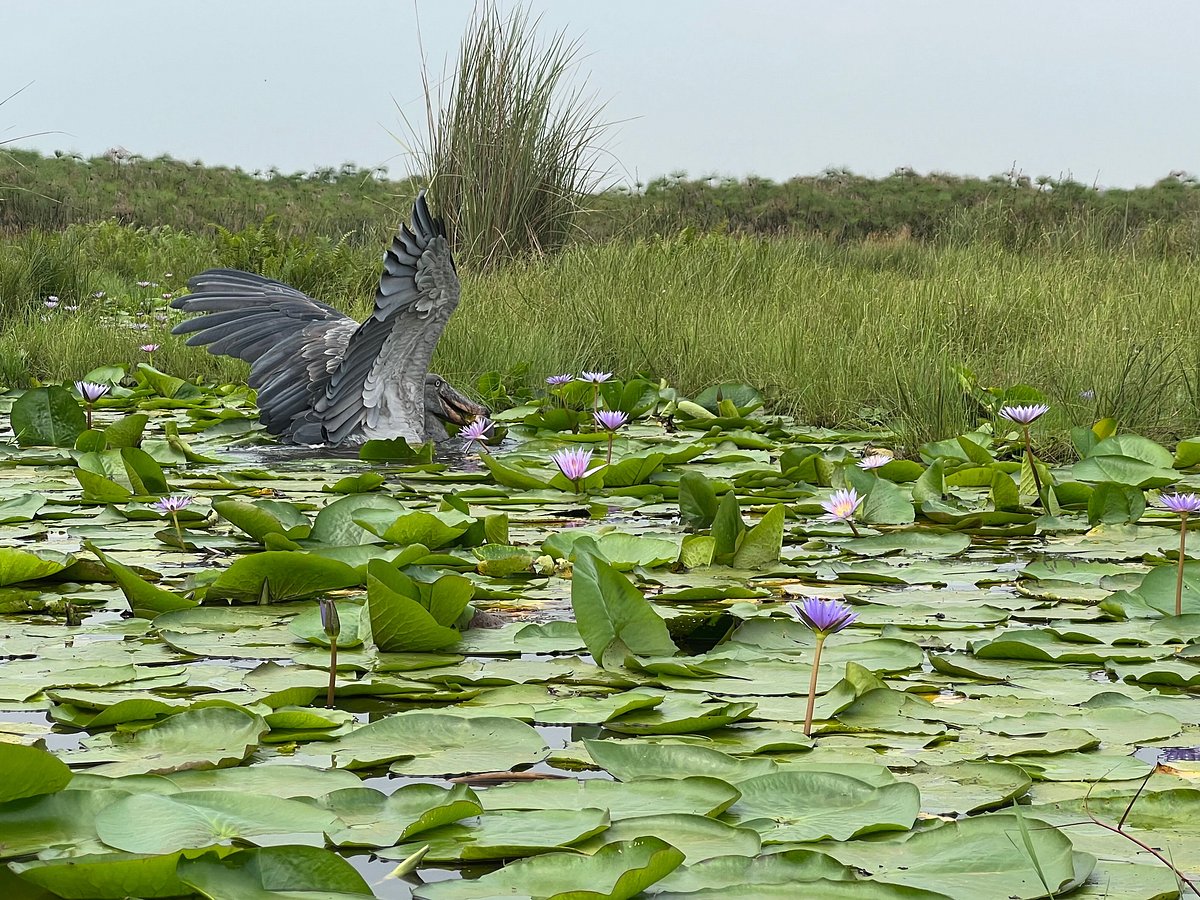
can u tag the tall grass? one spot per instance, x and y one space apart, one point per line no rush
837 334
511 145
861 333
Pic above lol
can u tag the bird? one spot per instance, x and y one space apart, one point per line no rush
322 377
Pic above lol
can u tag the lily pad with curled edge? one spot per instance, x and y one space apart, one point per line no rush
725 873
637 760
699 837
435 743
968 787
989 856
616 872
266 873
158 823
814 806
693 795
208 738
107 876
370 818
273 576
508 834
30 772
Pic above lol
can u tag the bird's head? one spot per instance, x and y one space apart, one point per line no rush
447 404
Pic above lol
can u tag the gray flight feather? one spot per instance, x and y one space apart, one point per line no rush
321 376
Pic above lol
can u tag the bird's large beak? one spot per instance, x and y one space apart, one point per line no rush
458 409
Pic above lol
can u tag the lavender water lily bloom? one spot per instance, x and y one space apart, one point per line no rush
574 464
1024 415
149 348
842 504
1184 504
595 377
478 431
610 419
91 391
822 615
172 504
874 461
559 380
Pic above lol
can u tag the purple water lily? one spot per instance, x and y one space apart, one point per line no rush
559 380
825 617
171 506
573 463
595 377
478 431
610 419
51 302
874 461
149 348
1024 415
841 507
92 391
1184 505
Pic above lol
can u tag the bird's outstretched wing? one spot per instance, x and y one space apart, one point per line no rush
378 387
292 342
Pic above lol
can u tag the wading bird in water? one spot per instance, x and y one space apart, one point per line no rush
321 376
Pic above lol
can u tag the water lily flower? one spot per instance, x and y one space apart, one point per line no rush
149 349
559 380
573 463
1024 415
91 391
1089 394
143 284
477 431
610 420
99 295
331 624
874 461
51 302
841 507
171 506
823 617
168 295
1184 505
595 379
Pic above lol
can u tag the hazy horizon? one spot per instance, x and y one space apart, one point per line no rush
1097 91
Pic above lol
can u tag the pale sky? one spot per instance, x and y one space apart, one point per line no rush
1105 91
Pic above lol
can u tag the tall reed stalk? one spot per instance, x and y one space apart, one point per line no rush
512 141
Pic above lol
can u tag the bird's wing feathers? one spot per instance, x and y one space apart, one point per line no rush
381 380
320 375
273 327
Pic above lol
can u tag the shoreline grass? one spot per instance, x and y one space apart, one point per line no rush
866 333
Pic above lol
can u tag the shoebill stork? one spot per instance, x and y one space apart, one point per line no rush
321 376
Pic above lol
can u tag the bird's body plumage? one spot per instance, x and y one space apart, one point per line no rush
321 376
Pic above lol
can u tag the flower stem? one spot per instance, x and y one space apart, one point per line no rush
812 684
178 530
1182 557
332 673
1037 480
610 443
853 527
88 408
